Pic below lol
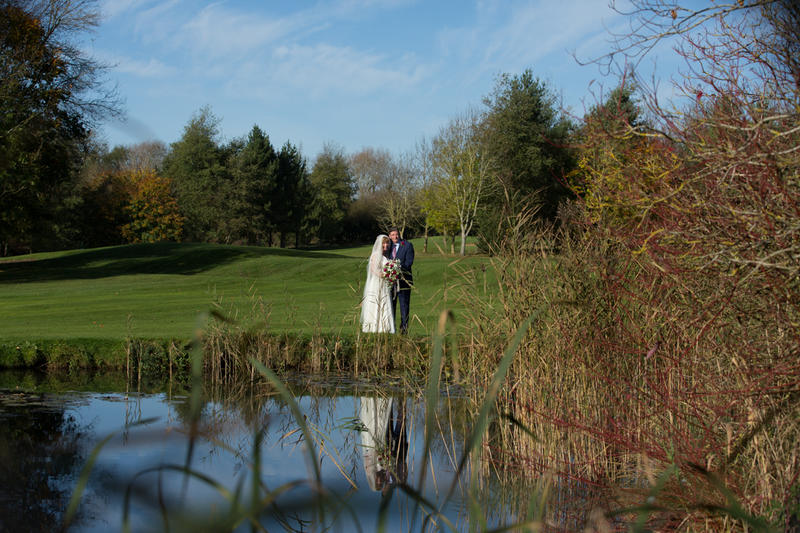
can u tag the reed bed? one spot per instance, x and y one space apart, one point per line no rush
676 400
230 351
227 349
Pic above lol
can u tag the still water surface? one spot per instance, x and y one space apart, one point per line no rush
368 438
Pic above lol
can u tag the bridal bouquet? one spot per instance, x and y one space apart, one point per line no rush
391 271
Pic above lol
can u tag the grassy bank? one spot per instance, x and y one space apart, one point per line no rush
158 291
228 351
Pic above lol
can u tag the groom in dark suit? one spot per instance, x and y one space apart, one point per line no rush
403 251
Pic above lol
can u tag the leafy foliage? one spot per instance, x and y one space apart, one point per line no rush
104 204
44 81
153 211
250 192
461 177
620 164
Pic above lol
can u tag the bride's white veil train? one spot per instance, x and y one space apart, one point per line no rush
376 305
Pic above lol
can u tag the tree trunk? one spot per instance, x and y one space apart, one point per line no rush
425 242
463 243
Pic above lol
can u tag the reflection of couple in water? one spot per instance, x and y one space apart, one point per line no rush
384 442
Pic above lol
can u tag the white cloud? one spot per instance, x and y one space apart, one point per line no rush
533 32
156 21
216 31
326 68
358 5
510 37
144 68
461 43
114 8
152 68
323 70
259 56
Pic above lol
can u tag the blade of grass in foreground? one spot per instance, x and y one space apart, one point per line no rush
188 473
236 514
301 422
431 401
196 400
86 471
733 509
482 421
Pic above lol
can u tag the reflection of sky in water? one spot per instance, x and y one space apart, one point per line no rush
225 453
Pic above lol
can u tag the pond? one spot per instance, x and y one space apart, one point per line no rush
158 467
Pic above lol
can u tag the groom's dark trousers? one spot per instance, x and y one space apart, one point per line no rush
404 297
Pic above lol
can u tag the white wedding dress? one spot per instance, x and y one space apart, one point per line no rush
374 414
376 306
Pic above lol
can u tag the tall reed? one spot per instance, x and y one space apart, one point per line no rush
635 373
238 336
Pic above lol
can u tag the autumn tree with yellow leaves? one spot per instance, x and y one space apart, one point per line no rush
153 210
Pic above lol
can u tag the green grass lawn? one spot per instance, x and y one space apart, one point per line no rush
160 290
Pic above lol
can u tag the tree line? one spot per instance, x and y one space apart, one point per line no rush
517 152
60 187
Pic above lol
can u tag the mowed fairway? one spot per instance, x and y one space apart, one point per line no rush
162 290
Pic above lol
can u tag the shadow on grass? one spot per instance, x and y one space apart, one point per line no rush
158 258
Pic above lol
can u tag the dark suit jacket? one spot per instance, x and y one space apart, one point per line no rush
405 254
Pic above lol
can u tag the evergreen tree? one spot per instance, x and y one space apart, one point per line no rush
290 205
254 189
198 169
333 188
527 137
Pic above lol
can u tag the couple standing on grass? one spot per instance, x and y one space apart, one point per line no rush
388 280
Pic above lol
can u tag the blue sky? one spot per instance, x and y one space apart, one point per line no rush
358 73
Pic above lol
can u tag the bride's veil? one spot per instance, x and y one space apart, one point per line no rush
374 288
373 267
374 263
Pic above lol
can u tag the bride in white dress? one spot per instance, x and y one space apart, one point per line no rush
376 306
